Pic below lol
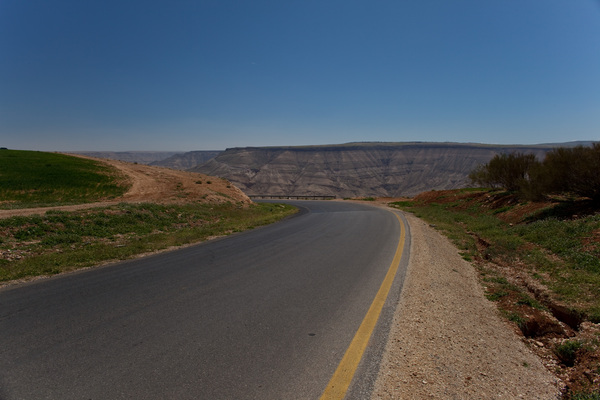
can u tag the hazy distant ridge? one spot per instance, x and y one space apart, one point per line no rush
169 159
187 160
358 169
141 157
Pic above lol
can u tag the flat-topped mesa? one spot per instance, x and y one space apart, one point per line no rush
358 169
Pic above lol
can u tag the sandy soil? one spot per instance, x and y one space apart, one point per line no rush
156 184
448 341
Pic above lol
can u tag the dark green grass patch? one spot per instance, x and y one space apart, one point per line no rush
574 240
585 396
60 241
556 242
38 179
567 351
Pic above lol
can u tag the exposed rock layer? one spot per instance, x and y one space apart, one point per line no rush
356 169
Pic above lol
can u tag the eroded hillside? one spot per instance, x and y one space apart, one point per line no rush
355 169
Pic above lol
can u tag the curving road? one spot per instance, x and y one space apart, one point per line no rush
266 314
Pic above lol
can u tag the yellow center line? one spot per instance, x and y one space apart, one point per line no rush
340 381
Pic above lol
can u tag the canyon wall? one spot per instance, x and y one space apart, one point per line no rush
356 169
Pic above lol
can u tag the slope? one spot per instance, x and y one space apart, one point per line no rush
355 169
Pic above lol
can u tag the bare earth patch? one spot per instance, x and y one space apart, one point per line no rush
448 341
156 185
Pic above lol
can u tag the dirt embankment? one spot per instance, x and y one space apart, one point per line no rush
157 185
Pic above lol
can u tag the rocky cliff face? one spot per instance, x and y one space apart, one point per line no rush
355 169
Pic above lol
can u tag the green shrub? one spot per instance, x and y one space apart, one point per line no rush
497 295
574 170
585 396
509 171
567 351
571 170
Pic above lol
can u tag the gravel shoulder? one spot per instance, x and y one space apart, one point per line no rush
448 341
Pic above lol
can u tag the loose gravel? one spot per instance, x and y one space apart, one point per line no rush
448 341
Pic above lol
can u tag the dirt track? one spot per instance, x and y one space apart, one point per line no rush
156 184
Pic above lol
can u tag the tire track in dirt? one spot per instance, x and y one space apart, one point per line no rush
154 184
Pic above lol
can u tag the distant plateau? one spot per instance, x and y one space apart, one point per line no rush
346 170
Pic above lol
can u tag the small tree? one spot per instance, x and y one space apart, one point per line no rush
480 176
575 170
509 171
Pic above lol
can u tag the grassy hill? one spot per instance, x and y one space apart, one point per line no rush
38 179
55 241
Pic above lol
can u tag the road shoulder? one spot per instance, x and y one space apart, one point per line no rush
447 340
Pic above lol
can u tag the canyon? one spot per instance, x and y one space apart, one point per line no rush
361 169
357 169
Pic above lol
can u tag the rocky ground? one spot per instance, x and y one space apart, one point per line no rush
448 341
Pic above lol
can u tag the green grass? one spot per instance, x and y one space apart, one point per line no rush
567 351
495 296
38 179
62 241
518 319
556 243
566 238
566 251
575 265
529 301
585 396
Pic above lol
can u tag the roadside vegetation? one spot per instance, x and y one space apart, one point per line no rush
63 241
39 179
534 235
540 262
572 170
59 241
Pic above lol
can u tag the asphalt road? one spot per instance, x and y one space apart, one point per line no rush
265 314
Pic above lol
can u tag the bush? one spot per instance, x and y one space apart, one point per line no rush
585 396
567 351
508 171
573 170
563 171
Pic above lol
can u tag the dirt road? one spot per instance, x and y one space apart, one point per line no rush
156 184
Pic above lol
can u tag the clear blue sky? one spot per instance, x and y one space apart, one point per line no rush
203 75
